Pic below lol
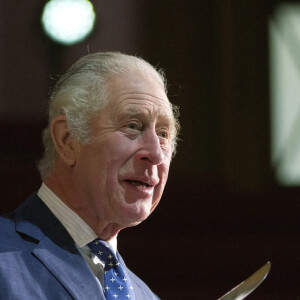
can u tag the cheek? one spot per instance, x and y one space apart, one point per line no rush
93 170
163 180
164 171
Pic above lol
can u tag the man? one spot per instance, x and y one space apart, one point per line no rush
108 147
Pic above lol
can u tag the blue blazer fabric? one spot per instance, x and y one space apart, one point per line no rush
39 259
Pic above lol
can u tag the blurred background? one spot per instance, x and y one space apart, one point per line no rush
232 201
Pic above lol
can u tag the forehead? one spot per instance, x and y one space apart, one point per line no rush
139 95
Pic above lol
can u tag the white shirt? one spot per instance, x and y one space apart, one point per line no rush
78 229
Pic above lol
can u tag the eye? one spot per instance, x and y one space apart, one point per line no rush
133 126
163 133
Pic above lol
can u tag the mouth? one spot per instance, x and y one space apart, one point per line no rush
139 183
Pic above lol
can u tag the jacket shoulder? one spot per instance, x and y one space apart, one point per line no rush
10 239
8 231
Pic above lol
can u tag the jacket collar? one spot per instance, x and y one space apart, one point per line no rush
55 249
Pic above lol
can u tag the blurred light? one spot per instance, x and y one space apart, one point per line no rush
68 21
285 93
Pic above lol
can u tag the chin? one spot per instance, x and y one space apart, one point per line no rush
134 217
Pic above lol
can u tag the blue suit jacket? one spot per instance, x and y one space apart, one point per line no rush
39 259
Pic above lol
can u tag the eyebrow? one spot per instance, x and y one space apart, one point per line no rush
134 111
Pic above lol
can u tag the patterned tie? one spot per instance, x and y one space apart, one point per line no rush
116 284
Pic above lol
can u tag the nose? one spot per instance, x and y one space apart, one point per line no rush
150 149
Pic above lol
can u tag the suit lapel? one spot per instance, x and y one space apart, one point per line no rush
70 269
56 250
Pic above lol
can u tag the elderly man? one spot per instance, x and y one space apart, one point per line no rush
108 147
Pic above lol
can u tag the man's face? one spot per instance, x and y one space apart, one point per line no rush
121 175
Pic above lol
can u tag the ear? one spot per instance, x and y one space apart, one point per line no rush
64 143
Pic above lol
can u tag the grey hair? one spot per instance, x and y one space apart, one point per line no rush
83 91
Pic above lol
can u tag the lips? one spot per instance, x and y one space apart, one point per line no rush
147 183
137 183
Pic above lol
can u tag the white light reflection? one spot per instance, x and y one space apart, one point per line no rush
68 21
285 93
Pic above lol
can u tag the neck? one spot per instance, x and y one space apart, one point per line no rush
104 230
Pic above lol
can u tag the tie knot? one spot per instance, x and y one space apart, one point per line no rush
103 250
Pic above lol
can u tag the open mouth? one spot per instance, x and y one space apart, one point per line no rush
138 183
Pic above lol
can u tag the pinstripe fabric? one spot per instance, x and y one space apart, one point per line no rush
79 230
81 233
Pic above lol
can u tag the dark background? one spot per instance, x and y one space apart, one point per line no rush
222 215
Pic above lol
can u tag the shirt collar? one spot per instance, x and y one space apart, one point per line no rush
79 230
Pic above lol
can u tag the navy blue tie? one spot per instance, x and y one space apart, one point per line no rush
116 284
